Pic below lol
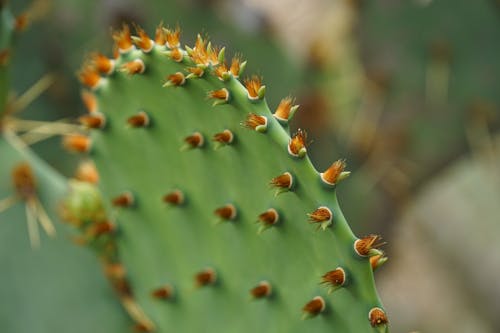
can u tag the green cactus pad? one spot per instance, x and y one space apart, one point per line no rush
157 149
57 287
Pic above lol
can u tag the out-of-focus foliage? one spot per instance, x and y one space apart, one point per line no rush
59 287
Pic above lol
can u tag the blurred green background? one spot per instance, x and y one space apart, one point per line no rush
406 91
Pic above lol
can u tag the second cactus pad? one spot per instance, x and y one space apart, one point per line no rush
224 225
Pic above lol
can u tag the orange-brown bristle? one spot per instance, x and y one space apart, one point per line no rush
133 67
200 44
4 57
269 217
123 200
320 215
123 39
377 317
220 70
199 54
297 144
87 172
283 181
101 228
164 292
176 79
331 175
174 198
140 327
224 137
196 71
176 55
235 66
364 245
205 277
263 289
283 110
227 212
114 270
24 181
94 120
89 76
221 94
143 41
334 278
122 287
160 35
76 143
103 64
194 140
139 120
377 260
89 101
21 22
116 52
253 121
253 86
173 37
213 55
315 306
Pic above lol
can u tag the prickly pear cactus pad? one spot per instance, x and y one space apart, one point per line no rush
222 222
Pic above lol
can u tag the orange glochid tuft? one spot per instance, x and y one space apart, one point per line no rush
253 86
254 121
284 108
23 180
123 39
76 143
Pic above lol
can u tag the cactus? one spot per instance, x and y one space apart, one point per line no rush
243 226
220 218
57 287
46 286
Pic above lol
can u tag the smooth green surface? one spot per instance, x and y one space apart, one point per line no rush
160 244
59 287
